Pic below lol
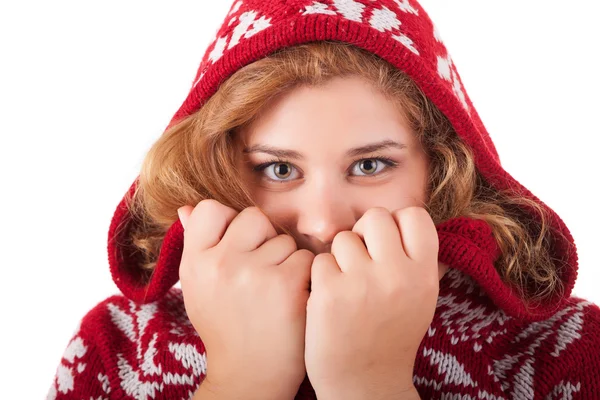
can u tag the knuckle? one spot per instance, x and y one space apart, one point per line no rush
244 276
395 290
255 217
322 257
341 237
209 206
250 270
376 212
303 257
252 212
412 212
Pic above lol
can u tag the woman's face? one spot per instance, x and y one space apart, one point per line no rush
317 158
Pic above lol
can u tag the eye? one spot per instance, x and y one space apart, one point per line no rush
371 166
282 171
277 171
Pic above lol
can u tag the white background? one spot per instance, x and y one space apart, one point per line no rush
85 88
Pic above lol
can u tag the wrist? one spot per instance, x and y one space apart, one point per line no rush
369 391
247 389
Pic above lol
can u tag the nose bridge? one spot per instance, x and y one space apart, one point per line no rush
327 209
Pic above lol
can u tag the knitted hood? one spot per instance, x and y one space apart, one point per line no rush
400 32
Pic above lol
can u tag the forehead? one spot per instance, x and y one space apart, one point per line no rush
344 112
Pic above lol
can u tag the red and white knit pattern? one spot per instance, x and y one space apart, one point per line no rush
472 350
483 343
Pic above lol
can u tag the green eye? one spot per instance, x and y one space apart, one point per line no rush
368 166
282 170
371 166
277 171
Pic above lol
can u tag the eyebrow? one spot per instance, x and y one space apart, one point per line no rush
353 152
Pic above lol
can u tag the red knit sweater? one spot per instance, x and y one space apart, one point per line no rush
482 343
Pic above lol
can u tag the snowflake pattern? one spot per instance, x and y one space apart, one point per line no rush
160 353
244 21
447 71
246 18
465 321
145 378
383 19
516 370
70 366
157 357
237 27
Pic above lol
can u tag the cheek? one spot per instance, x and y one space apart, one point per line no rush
411 186
401 192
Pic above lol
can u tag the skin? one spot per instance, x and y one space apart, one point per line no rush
359 272
321 197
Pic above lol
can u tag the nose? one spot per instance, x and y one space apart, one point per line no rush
325 213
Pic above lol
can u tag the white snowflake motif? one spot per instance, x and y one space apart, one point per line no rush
463 321
383 19
405 6
447 71
134 323
248 24
564 391
71 365
453 373
562 334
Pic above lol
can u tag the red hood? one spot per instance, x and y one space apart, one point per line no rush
410 42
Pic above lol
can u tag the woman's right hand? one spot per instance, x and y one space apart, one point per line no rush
245 290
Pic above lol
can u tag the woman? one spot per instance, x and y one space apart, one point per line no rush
345 230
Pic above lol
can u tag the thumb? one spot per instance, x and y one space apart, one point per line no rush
184 214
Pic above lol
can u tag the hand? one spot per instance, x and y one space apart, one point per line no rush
371 304
245 290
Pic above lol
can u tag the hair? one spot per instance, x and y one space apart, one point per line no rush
194 160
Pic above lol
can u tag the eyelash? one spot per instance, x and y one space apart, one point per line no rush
388 162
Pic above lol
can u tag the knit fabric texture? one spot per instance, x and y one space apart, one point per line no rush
483 342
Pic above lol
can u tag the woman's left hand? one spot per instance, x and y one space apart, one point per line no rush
371 304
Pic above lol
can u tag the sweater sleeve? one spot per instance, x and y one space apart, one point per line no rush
80 373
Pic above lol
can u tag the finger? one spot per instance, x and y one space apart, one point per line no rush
349 251
297 268
207 224
418 234
323 270
298 264
248 230
277 250
379 231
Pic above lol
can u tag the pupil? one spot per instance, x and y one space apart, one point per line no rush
282 170
368 166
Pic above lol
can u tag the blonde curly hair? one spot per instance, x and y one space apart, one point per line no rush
194 160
